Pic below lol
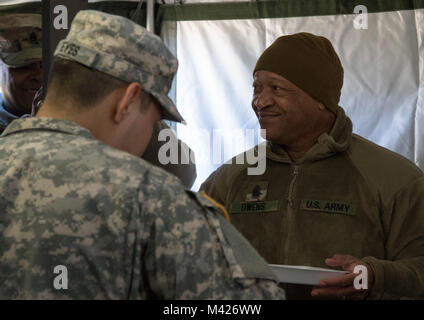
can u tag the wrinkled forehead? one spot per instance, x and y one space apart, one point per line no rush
267 78
264 76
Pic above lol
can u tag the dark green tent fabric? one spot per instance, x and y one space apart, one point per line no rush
235 10
278 9
121 8
274 9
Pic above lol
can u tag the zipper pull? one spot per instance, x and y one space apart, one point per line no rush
290 202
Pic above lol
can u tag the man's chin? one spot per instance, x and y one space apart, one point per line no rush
273 137
267 131
269 136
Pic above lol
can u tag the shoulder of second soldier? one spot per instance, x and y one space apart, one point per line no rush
159 178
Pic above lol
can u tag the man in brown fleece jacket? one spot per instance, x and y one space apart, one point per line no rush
328 197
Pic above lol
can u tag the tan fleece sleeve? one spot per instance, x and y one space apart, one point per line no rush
215 187
401 275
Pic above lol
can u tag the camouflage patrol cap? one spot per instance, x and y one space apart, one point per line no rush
20 39
123 49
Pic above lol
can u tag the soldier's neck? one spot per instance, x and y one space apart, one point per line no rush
298 148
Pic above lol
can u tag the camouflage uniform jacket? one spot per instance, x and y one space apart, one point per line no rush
345 196
122 228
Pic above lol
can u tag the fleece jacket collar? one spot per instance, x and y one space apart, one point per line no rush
327 145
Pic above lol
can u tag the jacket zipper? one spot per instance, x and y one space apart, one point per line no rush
289 215
291 187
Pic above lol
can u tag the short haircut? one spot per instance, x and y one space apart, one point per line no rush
83 86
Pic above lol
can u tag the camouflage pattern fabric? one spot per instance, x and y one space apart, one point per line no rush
123 49
20 39
123 228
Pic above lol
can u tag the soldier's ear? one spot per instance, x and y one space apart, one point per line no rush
128 101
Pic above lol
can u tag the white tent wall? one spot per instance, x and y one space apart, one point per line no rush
382 91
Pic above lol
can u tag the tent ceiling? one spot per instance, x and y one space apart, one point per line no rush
10 2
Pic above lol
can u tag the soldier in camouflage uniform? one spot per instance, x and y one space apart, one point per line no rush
21 75
20 64
82 219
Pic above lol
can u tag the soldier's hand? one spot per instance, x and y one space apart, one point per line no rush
343 287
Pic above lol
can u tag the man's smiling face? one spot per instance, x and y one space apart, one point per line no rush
286 112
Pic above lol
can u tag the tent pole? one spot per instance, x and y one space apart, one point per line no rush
150 21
